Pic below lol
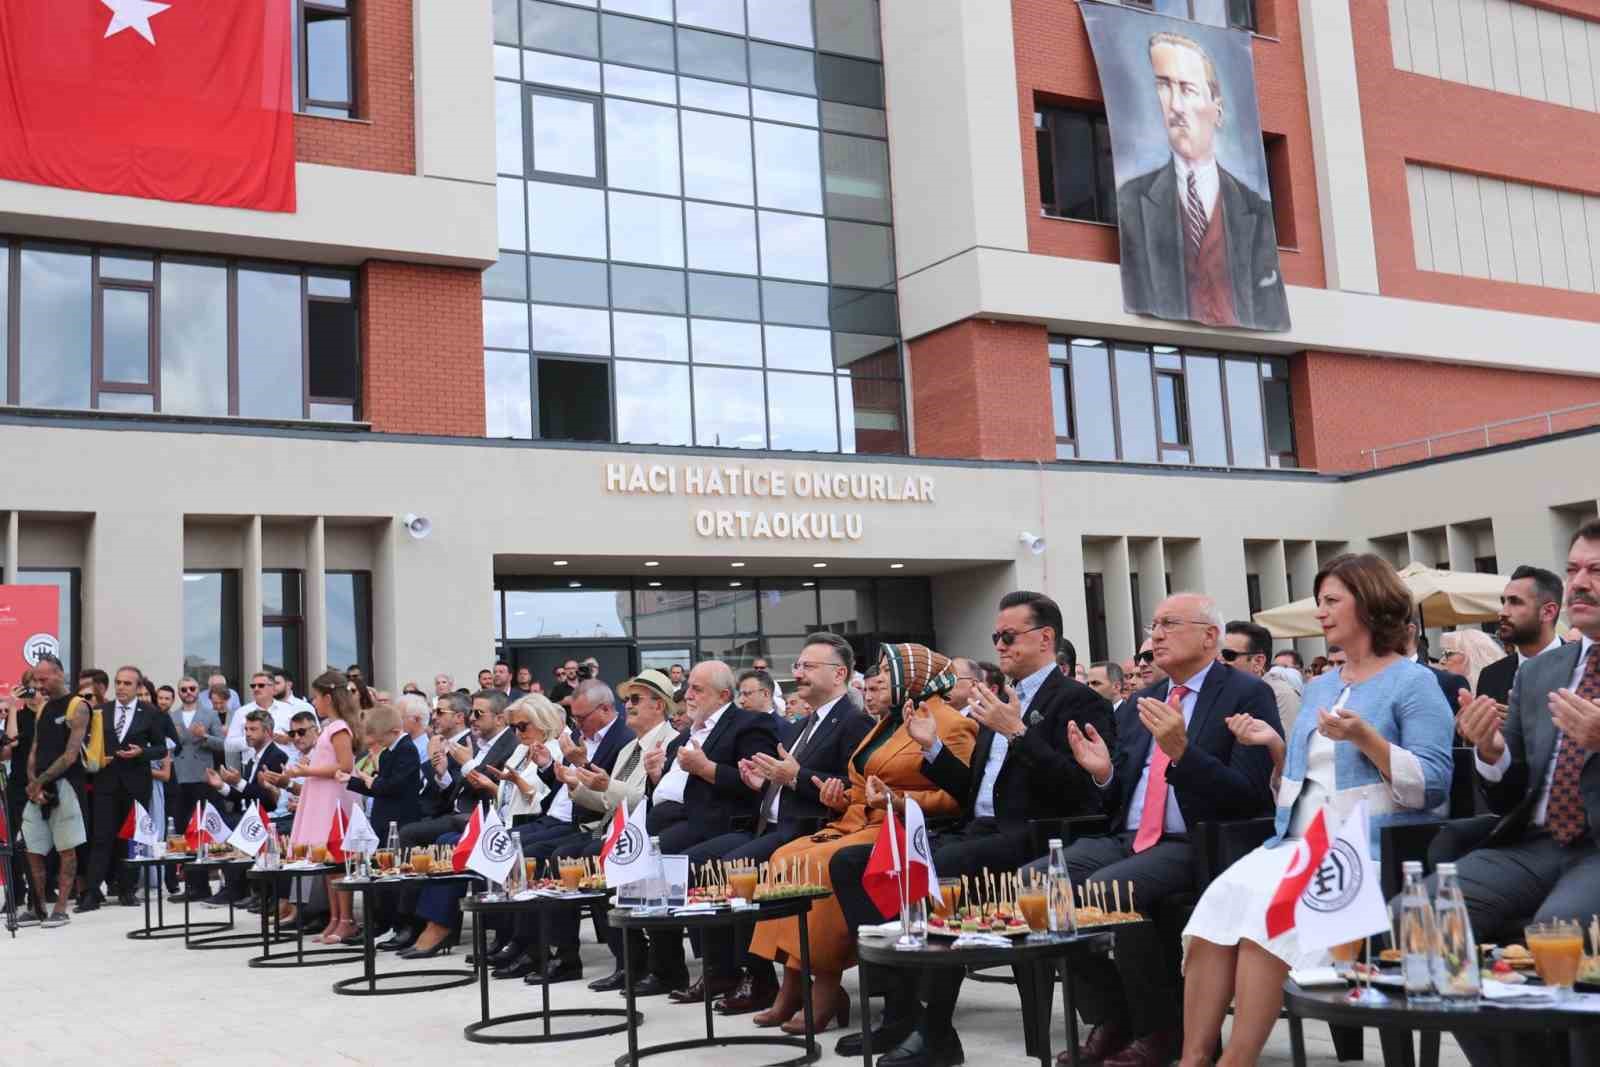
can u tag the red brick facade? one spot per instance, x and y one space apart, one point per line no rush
1346 403
422 348
981 390
383 136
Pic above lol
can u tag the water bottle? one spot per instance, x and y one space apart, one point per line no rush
1419 936
1062 917
654 890
392 841
172 830
268 858
1455 967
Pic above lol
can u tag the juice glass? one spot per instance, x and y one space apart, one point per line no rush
949 897
1557 948
1348 952
421 862
1035 909
385 859
742 883
319 854
571 875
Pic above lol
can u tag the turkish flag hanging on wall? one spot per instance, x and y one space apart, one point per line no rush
186 100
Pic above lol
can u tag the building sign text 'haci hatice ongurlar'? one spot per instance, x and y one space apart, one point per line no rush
777 487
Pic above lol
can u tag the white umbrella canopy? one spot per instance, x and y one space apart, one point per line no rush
1444 598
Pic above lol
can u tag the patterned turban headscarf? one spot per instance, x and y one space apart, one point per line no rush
915 673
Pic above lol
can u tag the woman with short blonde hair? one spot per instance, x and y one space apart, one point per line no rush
1468 652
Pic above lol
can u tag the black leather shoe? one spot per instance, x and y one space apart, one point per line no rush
608 983
90 901
557 971
129 899
505 952
441 949
520 967
885 1037
918 1051
402 940
651 986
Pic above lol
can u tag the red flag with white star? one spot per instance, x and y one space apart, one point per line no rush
184 100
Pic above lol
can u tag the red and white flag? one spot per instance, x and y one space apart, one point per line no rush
336 837
491 850
922 879
468 842
1303 864
213 825
185 100
625 855
882 877
192 832
1340 898
359 836
138 827
251 833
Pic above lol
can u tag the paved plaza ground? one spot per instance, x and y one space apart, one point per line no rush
85 994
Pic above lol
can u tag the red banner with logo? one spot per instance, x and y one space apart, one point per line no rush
29 624
188 100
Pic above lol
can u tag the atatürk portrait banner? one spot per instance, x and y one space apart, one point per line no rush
1193 206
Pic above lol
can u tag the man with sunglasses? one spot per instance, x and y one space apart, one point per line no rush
262 690
201 739
1149 672
1021 769
1248 646
1174 763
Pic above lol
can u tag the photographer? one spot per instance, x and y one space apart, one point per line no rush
53 817
19 709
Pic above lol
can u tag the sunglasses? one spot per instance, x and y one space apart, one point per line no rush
187 689
519 727
1007 638
300 731
1145 657
260 685
1228 655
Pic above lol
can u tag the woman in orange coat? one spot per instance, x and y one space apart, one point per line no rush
887 759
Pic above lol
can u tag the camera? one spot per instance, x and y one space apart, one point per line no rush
27 692
585 672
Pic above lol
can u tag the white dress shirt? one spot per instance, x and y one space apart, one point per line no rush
1555 642
1498 770
122 715
249 767
188 717
1173 822
561 803
1205 179
822 717
675 778
463 738
234 742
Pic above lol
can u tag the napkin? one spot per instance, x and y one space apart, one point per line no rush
1493 990
982 941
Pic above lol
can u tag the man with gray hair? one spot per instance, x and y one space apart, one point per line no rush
1174 764
414 724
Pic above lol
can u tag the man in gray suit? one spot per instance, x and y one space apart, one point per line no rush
200 739
1535 759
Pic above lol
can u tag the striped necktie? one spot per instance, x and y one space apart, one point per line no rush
1194 216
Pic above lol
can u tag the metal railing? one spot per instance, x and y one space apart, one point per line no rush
1484 431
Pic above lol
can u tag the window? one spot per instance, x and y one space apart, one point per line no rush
695 224
325 53
1094 604
1237 14
211 625
349 619
1075 176
282 623
67 581
1162 404
1252 592
125 331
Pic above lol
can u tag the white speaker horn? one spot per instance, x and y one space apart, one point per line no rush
418 526
1035 543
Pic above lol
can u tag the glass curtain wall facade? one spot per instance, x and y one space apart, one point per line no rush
685 620
695 227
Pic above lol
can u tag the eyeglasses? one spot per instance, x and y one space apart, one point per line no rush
188 689
968 678
521 726
1145 657
633 698
1007 638
806 666
300 731
1173 624
260 685
1229 655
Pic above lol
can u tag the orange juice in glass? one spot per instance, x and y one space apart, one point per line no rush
300 851
1348 952
530 871
949 897
421 862
319 853
742 883
572 875
1035 908
385 859
1557 948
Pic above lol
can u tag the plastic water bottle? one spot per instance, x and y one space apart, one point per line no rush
1419 936
655 887
1061 915
1455 966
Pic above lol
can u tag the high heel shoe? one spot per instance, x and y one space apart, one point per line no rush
338 933
441 949
824 1020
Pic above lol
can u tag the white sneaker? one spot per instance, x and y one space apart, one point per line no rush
55 919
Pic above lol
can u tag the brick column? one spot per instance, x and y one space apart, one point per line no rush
422 349
981 390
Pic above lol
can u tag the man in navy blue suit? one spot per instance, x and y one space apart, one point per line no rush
1176 765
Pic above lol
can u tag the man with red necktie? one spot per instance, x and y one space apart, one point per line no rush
1176 765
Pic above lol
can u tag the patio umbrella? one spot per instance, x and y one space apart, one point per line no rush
1441 598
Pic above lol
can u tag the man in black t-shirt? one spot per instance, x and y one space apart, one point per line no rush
53 818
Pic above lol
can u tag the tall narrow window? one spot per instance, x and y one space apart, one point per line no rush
349 619
282 624
326 55
211 625
1075 175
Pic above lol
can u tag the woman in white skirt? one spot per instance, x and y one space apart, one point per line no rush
1381 732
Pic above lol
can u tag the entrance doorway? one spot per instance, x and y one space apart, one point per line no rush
618 659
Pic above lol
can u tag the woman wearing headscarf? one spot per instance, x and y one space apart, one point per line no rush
888 761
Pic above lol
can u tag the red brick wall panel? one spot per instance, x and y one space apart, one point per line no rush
1055 62
1419 119
383 137
1346 403
981 390
422 347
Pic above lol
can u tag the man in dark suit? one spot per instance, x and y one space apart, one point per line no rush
503 682
133 737
1197 243
1529 606
1175 764
1454 686
1106 679
814 749
241 786
1021 769
697 793
1534 757
452 737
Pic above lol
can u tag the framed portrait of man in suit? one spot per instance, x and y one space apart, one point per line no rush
1194 208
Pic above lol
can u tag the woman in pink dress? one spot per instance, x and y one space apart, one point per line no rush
322 795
